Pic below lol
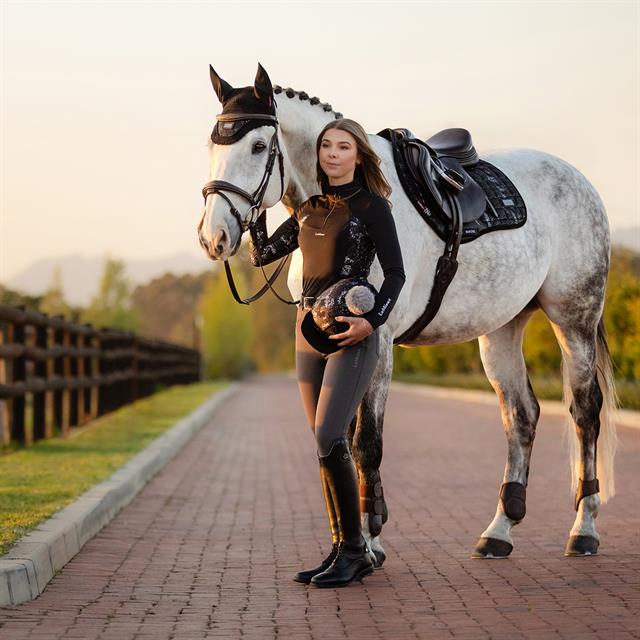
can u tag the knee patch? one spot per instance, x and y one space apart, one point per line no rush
333 452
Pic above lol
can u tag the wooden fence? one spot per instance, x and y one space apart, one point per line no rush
56 375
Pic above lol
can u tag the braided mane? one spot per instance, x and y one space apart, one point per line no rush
303 95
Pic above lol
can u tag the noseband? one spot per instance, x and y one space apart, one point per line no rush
254 199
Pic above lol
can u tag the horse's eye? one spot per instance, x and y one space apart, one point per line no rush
259 146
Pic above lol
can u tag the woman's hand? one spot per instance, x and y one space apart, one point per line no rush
359 329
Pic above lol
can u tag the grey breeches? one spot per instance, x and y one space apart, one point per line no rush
332 385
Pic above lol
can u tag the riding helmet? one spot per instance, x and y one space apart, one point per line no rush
347 297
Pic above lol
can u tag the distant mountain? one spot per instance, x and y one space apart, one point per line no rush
627 237
81 274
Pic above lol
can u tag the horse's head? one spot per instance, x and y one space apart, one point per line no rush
246 173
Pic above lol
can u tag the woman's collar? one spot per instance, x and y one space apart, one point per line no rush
343 190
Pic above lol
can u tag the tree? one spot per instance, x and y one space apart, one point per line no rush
273 344
226 329
177 298
53 301
541 351
111 306
622 312
15 298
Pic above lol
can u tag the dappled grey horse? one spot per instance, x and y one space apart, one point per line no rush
557 261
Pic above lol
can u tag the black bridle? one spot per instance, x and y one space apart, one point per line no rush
254 199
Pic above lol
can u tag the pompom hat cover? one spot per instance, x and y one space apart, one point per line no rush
347 297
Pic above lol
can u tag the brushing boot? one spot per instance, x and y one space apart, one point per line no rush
352 562
306 575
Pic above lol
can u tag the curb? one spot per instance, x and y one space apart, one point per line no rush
35 559
622 417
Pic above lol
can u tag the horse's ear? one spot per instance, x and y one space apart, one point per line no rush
220 86
262 88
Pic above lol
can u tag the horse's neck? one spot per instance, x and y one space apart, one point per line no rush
300 123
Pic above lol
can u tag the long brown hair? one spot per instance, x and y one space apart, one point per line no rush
368 171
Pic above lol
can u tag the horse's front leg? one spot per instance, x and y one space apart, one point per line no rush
366 446
501 354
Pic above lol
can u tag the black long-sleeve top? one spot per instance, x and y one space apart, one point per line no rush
338 244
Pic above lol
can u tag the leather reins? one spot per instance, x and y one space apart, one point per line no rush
254 199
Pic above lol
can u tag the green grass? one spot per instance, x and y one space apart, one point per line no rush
545 387
38 481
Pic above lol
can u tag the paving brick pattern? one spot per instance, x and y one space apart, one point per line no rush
208 548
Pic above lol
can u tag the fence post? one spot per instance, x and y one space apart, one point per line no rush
80 378
103 396
6 337
41 372
49 409
135 369
58 368
74 391
66 374
91 365
18 375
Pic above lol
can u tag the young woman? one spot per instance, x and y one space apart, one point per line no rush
339 233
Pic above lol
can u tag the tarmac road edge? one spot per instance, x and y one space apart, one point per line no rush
34 560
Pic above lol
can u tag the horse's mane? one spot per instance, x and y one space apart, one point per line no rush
303 95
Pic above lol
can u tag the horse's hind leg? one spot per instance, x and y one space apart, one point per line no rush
584 352
501 353
572 296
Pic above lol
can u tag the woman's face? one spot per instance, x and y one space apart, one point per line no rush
338 156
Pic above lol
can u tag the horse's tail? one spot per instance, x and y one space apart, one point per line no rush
607 439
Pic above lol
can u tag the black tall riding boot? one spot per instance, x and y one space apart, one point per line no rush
352 561
305 576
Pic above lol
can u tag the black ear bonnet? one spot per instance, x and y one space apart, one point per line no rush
242 101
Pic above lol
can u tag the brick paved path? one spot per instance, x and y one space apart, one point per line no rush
208 548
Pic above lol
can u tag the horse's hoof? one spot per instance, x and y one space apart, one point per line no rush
492 548
381 556
581 546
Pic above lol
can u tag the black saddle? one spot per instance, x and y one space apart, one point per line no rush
455 143
436 165
459 196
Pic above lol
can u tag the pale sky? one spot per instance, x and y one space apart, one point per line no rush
106 107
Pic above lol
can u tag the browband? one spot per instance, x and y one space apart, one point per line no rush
246 116
230 127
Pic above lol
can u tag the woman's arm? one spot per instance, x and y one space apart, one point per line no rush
382 229
284 240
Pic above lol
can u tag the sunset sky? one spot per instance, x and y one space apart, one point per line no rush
106 107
